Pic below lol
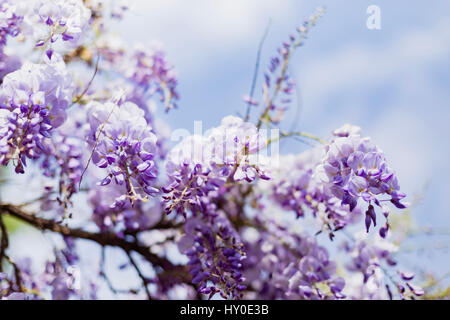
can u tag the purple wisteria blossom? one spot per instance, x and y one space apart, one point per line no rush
122 143
124 218
374 260
50 20
295 187
190 179
10 21
62 161
33 101
146 67
215 255
354 168
281 264
235 145
198 166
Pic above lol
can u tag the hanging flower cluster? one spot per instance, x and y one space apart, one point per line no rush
215 255
198 165
146 67
63 160
296 187
50 20
33 101
354 168
10 21
127 217
124 145
282 264
368 258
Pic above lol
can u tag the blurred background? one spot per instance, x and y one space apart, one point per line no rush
392 82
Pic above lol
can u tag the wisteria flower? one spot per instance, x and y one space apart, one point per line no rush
50 20
34 99
354 168
124 145
199 165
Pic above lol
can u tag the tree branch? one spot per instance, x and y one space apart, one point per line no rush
4 242
103 239
168 272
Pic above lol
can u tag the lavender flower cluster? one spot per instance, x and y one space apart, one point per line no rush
371 258
124 145
145 67
33 101
123 218
199 166
296 187
354 168
47 21
282 264
215 254
10 21
44 21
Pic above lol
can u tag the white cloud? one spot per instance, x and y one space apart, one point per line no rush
195 32
358 64
216 21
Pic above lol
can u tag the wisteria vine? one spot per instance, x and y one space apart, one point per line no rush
108 174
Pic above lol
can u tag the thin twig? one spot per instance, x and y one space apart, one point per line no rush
255 73
4 242
298 96
304 134
95 146
78 99
106 278
296 135
103 272
141 276
17 272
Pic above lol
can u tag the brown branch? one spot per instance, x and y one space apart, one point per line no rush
4 256
103 239
4 242
17 272
167 271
